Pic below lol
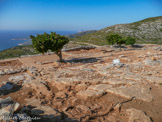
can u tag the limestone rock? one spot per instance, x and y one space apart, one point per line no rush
100 87
81 87
137 91
16 79
60 95
119 81
60 85
137 116
39 86
47 113
2 73
84 109
154 79
152 62
89 94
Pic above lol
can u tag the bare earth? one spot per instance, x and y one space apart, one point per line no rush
88 87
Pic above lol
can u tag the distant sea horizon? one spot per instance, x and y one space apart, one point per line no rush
12 38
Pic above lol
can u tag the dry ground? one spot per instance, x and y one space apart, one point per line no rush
88 87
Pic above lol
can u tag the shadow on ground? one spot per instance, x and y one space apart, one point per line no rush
83 60
48 118
137 46
14 89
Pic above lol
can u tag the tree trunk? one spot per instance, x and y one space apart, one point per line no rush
120 46
60 55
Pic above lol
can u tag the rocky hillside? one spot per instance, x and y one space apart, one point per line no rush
148 30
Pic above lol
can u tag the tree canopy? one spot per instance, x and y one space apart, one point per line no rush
119 40
130 41
54 42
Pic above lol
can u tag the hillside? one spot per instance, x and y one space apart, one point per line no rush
146 31
81 33
17 52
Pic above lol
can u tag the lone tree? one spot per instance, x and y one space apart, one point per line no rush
115 39
57 43
54 42
41 42
130 41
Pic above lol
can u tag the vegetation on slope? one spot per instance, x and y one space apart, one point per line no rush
17 52
81 33
145 31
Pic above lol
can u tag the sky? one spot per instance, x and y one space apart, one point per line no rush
73 15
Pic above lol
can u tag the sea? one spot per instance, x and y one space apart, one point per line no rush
12 38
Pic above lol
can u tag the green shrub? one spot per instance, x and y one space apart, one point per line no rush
115 39
130 41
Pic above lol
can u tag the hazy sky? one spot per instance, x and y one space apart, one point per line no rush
73 14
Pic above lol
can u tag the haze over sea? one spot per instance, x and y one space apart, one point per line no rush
13 38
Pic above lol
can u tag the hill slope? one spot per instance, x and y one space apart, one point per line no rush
81 33
148 30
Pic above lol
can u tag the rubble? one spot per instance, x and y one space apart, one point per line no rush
16 79
137 91
8 71
88 86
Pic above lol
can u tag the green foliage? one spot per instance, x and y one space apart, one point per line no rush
130 41
41 42
54 42
57 43
115 39
119 40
